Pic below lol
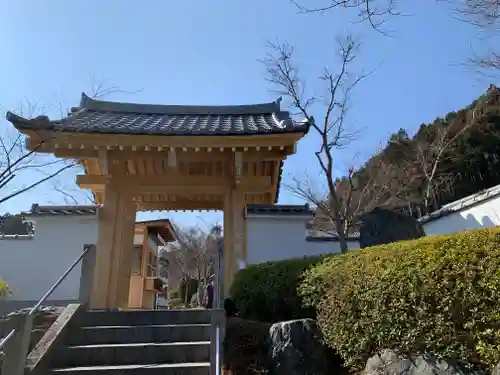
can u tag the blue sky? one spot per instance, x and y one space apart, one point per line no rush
201 52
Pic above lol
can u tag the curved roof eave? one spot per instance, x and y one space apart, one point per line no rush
89 103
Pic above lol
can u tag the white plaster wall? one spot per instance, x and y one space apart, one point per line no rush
31 267
483 214
282 237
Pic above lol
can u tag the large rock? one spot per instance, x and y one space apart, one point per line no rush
230 308
390 363
296 348
382 226
496 370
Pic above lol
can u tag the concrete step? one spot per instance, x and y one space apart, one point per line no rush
148 369
131 354
137 334
142 317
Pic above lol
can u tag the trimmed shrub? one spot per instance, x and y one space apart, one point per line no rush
5 292
245 347
174 294
439 294
267 292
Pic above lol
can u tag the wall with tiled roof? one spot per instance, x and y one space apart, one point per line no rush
280 231
31 264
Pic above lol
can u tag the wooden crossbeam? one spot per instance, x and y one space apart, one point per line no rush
189 156
76 140
177 183
180 205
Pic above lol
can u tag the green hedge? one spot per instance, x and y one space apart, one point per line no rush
174 294
438 294
267 292
5 292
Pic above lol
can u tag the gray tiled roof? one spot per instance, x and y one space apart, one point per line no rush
462 204
37 210
17 236
96 116
278 209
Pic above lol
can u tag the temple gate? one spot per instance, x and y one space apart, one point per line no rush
143 157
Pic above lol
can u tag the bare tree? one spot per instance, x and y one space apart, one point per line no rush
427 153
379 185
375 12
17 161
194 255
484 14
333 103
101 88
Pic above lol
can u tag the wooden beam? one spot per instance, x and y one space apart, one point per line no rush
172 159
183 183
103 161
189 156
275 178
76 154
150 141
180 206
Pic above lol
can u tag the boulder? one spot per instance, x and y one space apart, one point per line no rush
296 348
230 308
496 370
388 362
382 226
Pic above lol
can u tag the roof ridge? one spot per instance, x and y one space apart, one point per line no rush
92 104
49 210
36 205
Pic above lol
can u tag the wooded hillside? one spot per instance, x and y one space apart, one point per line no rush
448 159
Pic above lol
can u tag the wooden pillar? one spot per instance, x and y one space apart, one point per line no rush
238 230
245 239
233 236
114 248
124 253
228 243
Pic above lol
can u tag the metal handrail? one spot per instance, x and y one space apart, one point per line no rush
59 281
7 338
11 334
218 305
218 367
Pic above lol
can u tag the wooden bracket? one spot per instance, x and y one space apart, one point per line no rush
238 166
103 161
172 158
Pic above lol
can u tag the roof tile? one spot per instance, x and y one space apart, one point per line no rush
278 209
37 210
95 116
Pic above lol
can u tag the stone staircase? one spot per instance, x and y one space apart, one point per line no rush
166 342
